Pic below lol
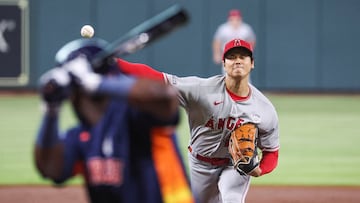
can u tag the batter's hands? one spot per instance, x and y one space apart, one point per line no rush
82 74
54 87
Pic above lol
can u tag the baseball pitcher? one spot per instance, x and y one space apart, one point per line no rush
230 122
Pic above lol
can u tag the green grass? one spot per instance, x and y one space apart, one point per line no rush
20 118
319 138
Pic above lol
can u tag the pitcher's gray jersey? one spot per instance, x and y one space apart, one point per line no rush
213 114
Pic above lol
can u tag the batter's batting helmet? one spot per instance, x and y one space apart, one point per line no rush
88 47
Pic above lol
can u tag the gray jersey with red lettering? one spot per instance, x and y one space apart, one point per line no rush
213 114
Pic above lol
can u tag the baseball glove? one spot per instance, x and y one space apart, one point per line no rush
242 148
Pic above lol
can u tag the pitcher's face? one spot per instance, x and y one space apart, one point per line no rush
238 63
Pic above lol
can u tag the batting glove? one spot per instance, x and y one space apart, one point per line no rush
54 87
82 74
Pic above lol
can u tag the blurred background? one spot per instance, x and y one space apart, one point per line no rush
308 45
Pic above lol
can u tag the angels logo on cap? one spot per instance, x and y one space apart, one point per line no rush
237 43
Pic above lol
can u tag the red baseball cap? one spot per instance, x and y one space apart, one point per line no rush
237 43
234 13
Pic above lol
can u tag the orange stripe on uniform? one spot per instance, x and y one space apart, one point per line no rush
171 174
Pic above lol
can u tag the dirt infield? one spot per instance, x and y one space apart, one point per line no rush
257 194
297 194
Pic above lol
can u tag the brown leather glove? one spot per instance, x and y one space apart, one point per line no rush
242 148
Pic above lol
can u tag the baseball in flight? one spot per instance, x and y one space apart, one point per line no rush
87 31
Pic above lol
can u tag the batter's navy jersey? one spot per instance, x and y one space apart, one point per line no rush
129 156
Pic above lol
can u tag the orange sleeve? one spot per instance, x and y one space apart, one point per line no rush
139 70
269 161
173 180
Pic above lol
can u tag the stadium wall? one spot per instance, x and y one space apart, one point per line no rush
308 45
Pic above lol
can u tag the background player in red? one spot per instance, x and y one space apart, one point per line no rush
124 141
233 28
215 107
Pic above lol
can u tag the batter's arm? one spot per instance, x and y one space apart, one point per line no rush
146 93
155 97
149 91
49 150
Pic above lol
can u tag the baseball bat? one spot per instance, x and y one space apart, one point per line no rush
143 34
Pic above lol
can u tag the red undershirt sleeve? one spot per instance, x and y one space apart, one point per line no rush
269 161
139 70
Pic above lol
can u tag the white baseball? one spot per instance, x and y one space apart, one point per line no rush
87 31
